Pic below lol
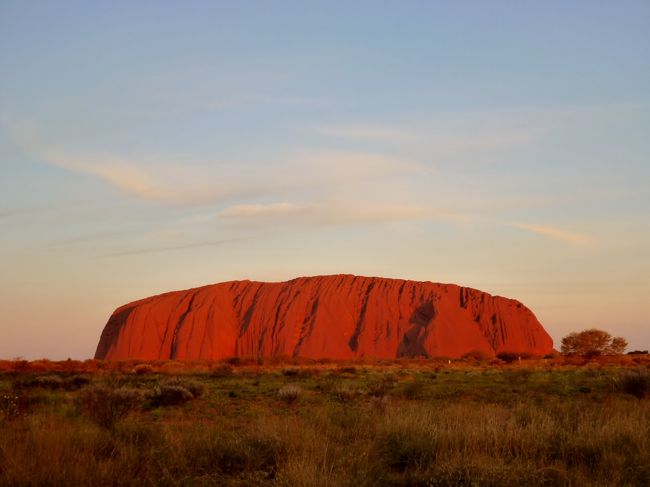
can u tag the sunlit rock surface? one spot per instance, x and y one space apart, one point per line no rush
338 317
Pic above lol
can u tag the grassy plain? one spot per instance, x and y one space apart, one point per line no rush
374 423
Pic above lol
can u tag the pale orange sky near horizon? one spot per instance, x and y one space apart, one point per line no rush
503 147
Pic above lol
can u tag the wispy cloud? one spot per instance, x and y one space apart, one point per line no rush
440 138
188 179
191 245
327 213
149 178
555 233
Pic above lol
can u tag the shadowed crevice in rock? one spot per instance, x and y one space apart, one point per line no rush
412 344
181 322
354 339
246 321
423 315
463 297
307 327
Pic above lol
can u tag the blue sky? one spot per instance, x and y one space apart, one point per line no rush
151 146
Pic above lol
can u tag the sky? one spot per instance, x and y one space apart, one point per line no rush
153 146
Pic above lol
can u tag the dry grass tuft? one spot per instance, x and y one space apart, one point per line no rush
289 393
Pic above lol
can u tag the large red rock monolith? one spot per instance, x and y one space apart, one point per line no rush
338 317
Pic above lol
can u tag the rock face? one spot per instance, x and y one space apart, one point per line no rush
338 317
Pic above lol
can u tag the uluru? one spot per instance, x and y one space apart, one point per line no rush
337 316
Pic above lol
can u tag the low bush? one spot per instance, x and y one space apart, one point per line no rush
508 357
142 369
51 382
174 392
413 389
406 449
381 388
346 392
195 388
347 370
250 457
234 361
48 382
635 382
289 393
13 405
222 370
75 382
476 355
518 376
169 395
291 371
106 405
638 352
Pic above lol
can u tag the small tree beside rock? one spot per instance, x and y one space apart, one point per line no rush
592 343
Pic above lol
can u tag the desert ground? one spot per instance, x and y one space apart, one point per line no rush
416 422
